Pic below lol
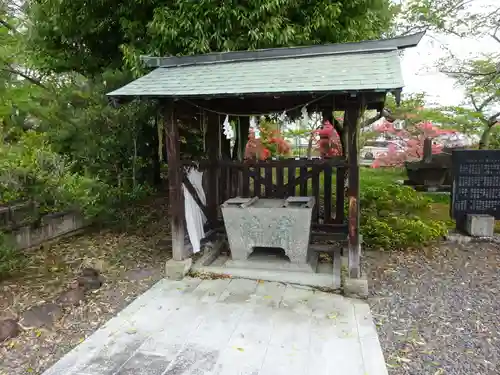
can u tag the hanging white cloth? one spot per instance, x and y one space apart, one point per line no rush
254 127
195 218
228 129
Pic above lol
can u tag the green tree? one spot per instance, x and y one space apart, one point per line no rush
462 18
89 36
112 144
85 36
479 76
481 81
70 110
413 109
20 86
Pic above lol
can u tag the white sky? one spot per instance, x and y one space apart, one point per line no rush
419 64
421 74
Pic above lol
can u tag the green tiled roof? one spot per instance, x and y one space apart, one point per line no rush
377 70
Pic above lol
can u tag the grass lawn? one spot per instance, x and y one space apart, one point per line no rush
440 203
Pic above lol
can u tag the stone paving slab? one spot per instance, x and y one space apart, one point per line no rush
231 326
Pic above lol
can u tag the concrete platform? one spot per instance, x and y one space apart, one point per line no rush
231 326
272 268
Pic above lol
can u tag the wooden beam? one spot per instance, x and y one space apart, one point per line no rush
276 103
212 147
175 173
327 114
351 118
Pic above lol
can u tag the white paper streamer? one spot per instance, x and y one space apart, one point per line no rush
228 129
254 127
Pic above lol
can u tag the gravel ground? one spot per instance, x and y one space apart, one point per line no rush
438 310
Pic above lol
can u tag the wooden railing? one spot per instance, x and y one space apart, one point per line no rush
281 179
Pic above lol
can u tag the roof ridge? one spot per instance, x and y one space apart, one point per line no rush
283 52
265 58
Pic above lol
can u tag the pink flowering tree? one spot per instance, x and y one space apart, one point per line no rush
329 143
408 144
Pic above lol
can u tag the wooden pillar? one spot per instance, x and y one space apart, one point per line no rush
176 195
327 114
212 147
427 157
242 138
340 174
351 121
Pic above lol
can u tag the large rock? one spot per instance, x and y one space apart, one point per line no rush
90 279
41 316
71 297
8 329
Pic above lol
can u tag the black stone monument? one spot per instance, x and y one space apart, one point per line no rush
476 184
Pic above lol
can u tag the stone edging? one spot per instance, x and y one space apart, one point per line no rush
50 227
463 238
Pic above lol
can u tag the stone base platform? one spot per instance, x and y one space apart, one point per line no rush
271 268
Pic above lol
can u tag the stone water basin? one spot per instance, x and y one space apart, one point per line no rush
256 223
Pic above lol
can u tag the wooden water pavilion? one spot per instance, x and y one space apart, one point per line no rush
351 78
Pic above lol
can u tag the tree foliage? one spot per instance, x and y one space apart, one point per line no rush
30 169
481 81
58 58
269 144
89 36
410 140
462 18
241 25
86 36
59 137
479 76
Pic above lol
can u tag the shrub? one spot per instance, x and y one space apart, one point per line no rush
396 217
30 169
